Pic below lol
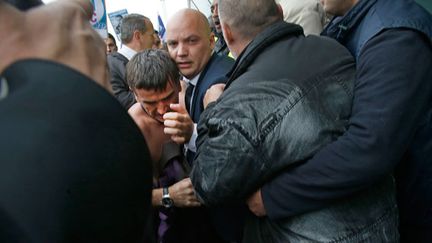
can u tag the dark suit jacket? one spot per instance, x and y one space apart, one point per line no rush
228 221
73 165
213 73
117 66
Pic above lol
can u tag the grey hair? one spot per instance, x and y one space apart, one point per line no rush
248 17
152 69
131 23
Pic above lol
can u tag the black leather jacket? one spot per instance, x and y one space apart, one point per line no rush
287 96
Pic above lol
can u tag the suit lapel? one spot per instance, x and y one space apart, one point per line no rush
195 108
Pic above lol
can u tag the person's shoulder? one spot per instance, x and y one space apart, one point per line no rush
117 63
139 117
116 58
221 62
224 59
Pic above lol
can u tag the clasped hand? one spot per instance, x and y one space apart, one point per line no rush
178 124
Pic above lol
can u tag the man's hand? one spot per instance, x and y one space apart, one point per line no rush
183 194
59 31
256 205
213 93
182 93
178 124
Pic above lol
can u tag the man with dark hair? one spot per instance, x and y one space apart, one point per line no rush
136 35
287 96
111 45
221 47
155 80
390 127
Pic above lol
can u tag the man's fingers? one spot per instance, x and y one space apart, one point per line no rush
172 131
179 108
171 123
178 139
176 116
194 204
171 116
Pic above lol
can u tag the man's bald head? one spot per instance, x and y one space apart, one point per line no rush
190 41
190 15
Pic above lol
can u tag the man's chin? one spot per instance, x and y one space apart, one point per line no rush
187 73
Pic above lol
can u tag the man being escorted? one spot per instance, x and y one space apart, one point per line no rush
155 81
287 96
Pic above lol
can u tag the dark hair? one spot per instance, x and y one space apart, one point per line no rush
112 38
130 24
152 69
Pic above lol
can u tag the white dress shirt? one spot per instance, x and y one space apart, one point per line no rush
127 52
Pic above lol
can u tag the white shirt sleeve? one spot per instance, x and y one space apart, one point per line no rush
192 142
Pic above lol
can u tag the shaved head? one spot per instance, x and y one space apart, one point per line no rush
248 17
190 41
188 15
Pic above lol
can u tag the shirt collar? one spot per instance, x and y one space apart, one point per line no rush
127 52
193 81
341 26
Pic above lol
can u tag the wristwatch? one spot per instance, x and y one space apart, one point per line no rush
167 202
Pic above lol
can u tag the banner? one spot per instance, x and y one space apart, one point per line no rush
99 19
115 19
161 28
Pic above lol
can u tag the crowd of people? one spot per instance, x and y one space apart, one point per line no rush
269 121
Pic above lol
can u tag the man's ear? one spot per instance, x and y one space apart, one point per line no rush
212 40
136 35
227 33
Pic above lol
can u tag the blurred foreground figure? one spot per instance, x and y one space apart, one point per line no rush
25 4
74 166
309 14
